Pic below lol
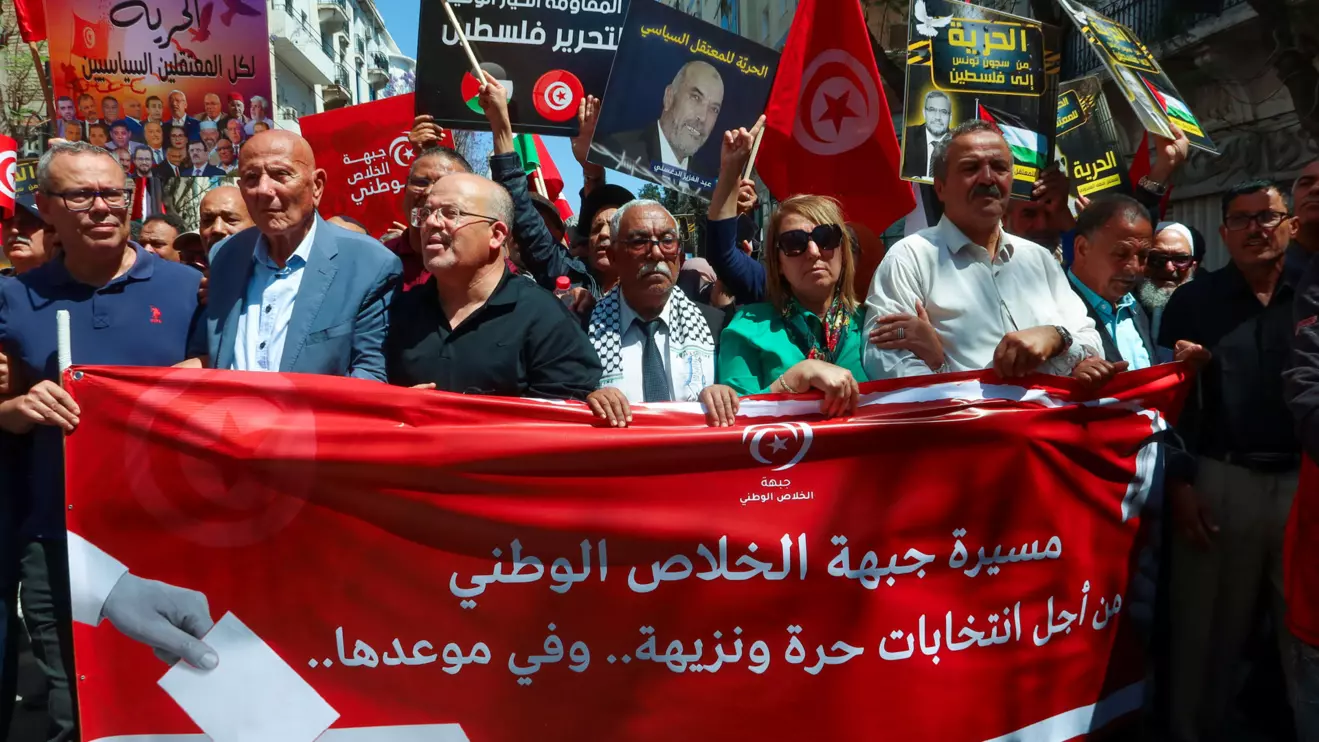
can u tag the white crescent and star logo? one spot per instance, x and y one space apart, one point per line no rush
401 151
840 104
88 37
245 506
8 174
771 443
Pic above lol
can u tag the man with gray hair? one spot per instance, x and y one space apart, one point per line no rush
918 141
655 344
259 109
474 327
688 114
994 299
127 307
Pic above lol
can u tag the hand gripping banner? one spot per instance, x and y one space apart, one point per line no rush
362 562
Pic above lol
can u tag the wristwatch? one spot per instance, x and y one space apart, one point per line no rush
1066 336
1153 186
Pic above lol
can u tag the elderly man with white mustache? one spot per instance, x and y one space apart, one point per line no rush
654 343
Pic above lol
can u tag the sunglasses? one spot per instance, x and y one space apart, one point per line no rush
1179 262
794 242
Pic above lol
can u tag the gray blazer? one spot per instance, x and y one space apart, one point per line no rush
340 314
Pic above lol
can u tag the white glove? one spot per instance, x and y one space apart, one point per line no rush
171 620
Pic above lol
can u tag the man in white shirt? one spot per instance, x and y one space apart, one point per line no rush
994 299
654 343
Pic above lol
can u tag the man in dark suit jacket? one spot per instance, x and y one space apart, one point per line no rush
918 141
200 166
688 116
324 292
1113 237
646 313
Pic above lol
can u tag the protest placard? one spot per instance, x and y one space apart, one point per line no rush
966 62
1087 144
1138 75
129 77
549 54
677 85
400 565
365 152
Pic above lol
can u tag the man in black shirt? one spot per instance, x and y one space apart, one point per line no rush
1231 511
473 327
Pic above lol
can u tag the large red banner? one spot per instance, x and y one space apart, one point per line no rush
951 563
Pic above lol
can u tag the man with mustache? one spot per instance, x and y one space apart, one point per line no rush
296 294
918 141
996 300
1113 239
127 307
1229 511
654 343
474 327
690 110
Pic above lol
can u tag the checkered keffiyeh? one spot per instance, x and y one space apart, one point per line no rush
687 327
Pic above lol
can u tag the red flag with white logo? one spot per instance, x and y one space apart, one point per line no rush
828 128
8 174
90 39
366 155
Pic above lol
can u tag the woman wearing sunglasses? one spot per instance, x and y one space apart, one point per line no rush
807 335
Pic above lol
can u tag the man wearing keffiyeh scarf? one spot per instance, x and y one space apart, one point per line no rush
654 343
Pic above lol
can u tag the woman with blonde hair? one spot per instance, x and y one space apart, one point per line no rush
808 334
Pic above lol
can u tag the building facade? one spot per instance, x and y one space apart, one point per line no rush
326 54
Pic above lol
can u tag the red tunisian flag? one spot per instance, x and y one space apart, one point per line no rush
31 20
90 39
828 130
366 155
8 174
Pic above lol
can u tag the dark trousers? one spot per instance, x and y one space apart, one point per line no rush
49 618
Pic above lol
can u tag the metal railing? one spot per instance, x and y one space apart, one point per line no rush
343 79
380 61
300 20
289 113
1153 21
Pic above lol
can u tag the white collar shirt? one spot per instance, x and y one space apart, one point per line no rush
973 301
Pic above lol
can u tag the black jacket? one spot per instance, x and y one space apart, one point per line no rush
1111 353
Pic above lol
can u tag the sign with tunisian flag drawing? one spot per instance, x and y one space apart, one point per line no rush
365 562
366 154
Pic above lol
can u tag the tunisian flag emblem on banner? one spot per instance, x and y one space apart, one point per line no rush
375 564
90 40
366 154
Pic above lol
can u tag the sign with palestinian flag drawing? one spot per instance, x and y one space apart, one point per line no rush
1138 75
966 62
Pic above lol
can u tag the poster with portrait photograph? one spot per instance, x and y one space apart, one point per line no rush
164 77
678 83
1138 75
1088 150
966 62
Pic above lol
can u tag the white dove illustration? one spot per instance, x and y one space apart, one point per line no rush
927 26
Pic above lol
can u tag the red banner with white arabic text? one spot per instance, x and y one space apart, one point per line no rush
952 563
365 152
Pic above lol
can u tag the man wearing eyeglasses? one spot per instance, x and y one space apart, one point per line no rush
431 163
654 343
127 307
474 327
296 294
1229 511
918 141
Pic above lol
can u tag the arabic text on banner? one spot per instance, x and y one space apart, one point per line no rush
406 559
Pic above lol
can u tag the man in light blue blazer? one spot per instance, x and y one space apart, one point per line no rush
294 293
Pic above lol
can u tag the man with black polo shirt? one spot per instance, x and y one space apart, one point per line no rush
474 327
1229 513
127 307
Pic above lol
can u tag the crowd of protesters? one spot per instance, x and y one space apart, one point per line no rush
462 299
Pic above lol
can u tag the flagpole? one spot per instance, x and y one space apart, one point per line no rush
539 180
453 19
46 92
755 149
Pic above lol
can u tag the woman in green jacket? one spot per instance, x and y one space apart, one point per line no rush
808 335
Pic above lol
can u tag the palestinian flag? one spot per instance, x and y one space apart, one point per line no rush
471 90
1028 147
1177 111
